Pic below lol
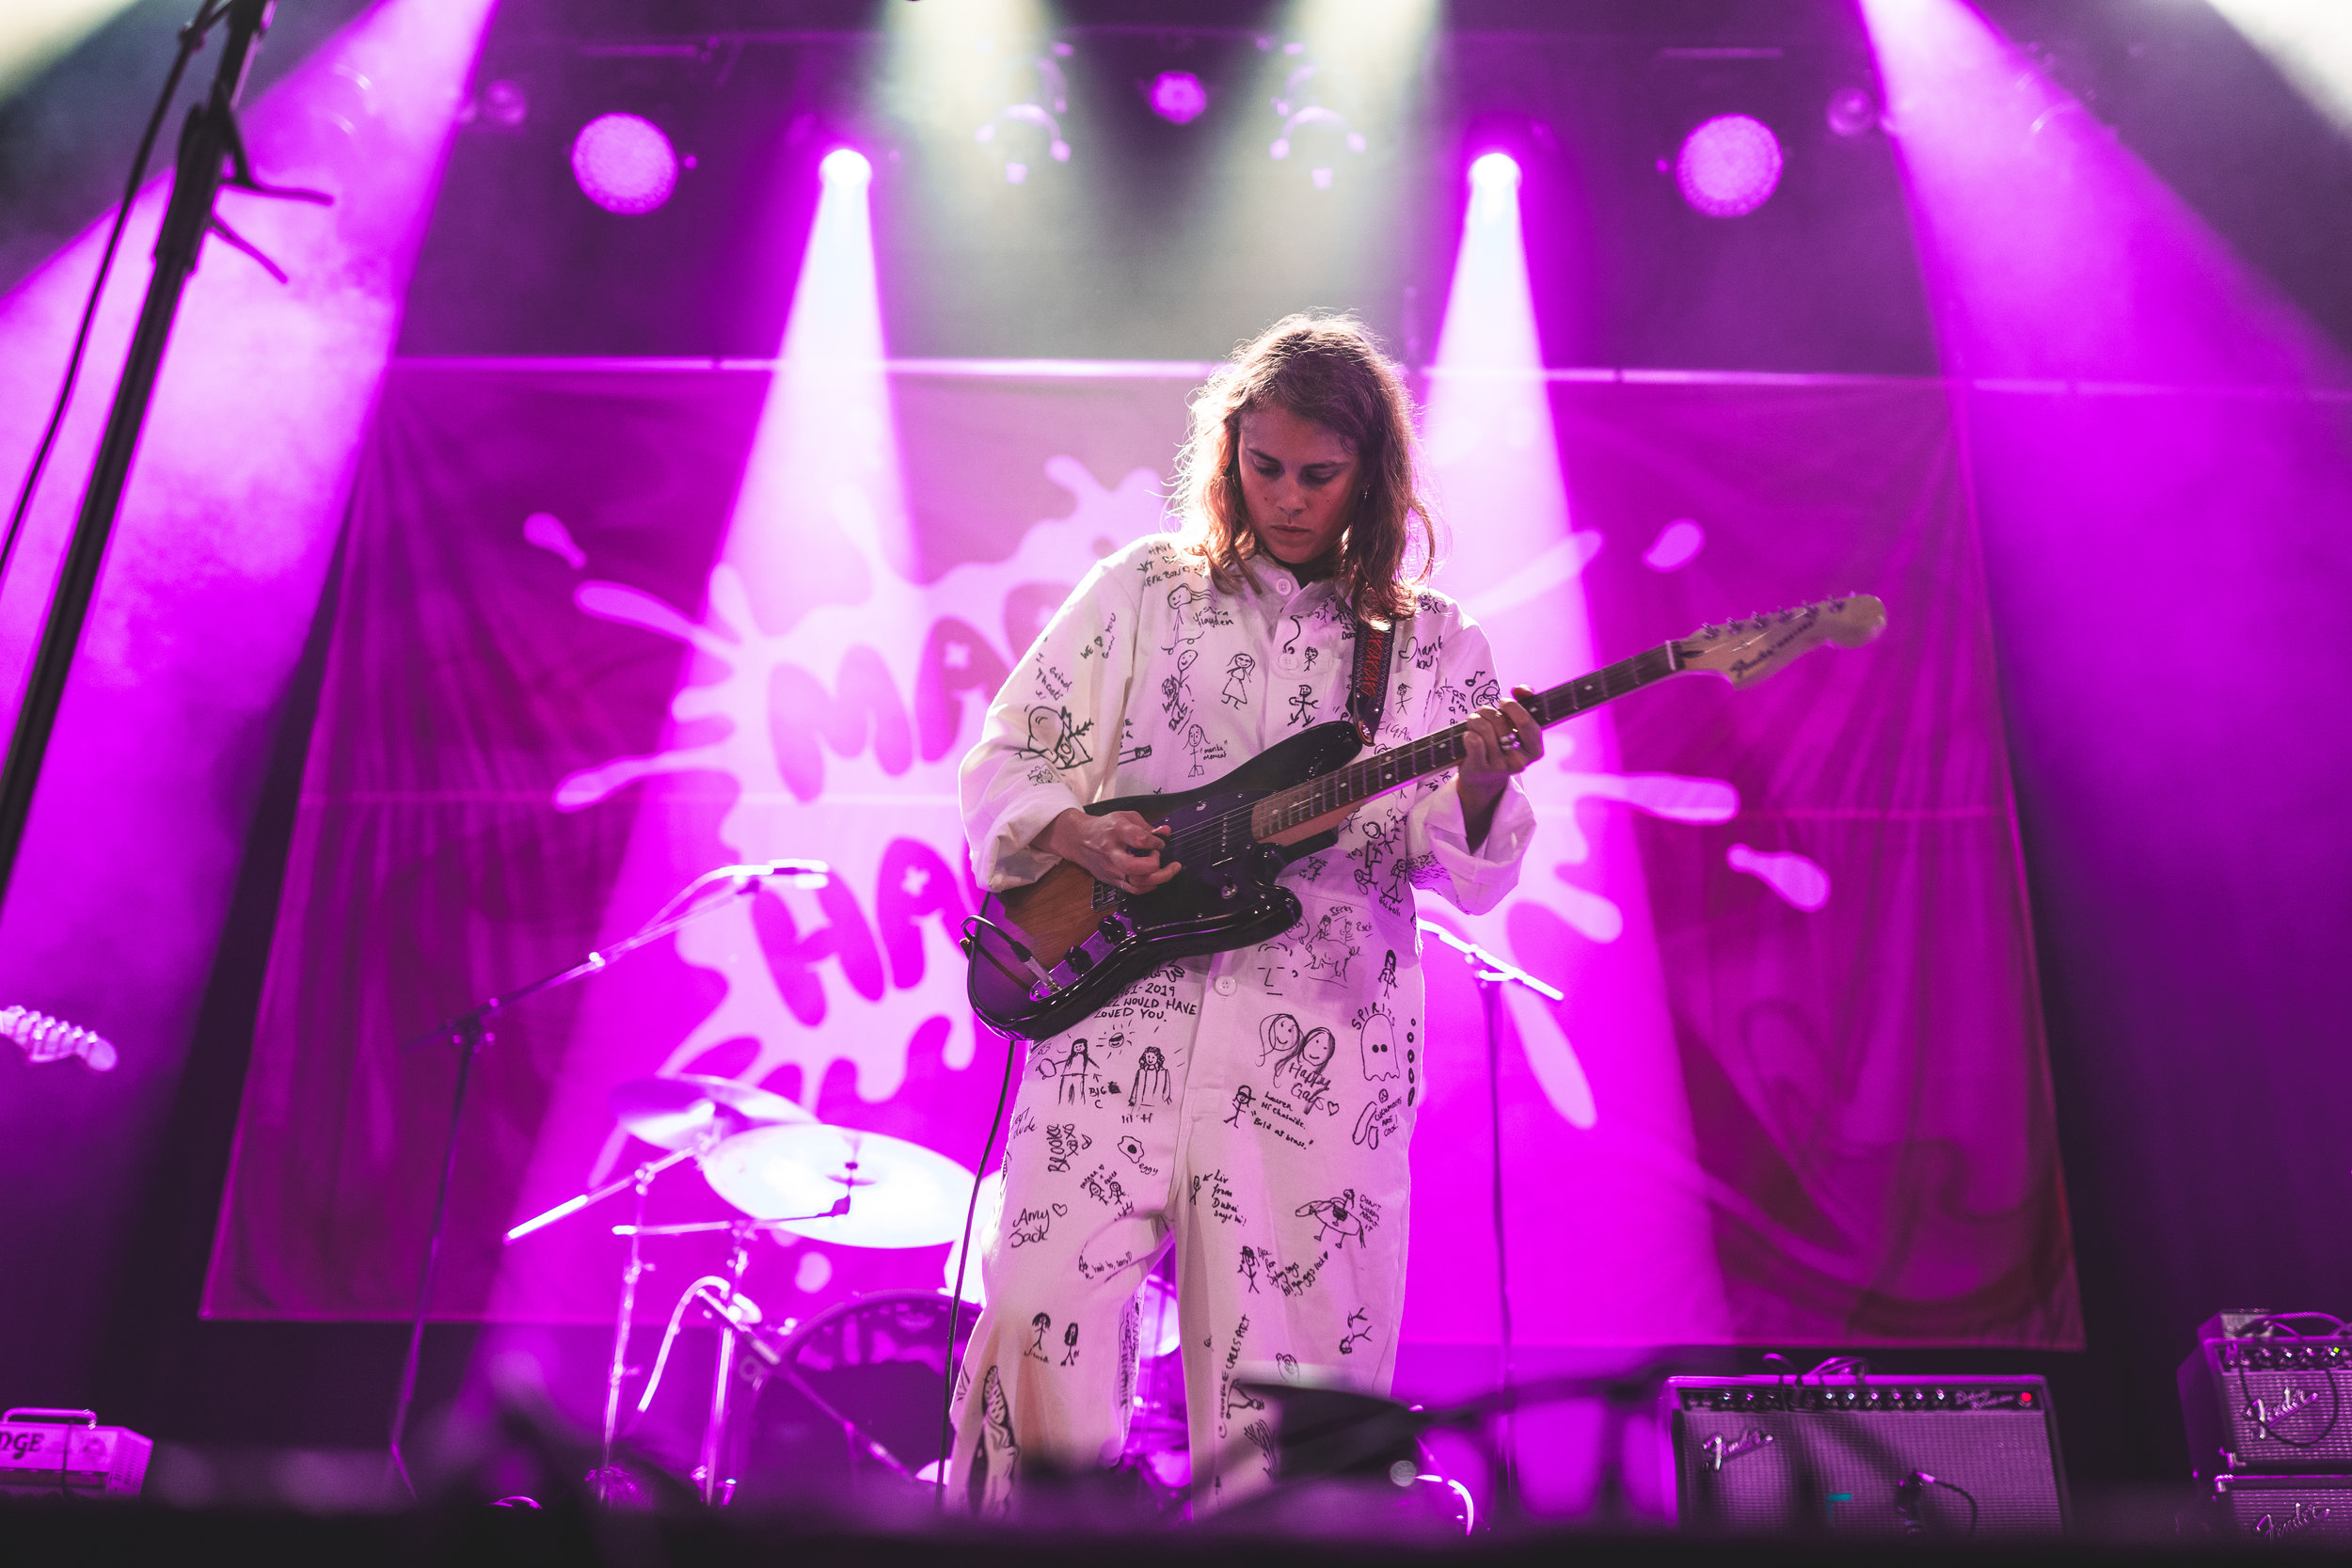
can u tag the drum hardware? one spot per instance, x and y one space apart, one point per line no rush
688 1114
866 1366
785 1171
640 1178
737 1315
469 1031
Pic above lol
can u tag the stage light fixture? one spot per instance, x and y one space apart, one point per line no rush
1040 119
847 166
625 164
1494 171
1852 111
1035 123
1729 166
503 104
1178 97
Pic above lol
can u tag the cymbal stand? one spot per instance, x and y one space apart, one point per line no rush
1492 973
722 1377
642 1178
469 1031
624 1318
722 1296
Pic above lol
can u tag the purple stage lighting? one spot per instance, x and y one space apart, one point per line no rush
1730 165
1178 97
846 166
624 164
1494 171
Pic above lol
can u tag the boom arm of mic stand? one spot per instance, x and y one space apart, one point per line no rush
466 1024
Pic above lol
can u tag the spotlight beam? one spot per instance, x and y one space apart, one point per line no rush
206 147
1517 562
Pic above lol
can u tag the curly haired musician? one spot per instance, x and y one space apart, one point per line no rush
1230 1106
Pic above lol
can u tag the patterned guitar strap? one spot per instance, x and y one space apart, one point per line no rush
1368 683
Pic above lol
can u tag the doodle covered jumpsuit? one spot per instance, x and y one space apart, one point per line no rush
1251 1108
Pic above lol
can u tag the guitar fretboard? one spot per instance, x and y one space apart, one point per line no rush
1378 774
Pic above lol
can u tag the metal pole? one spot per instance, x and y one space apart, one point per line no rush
716 1489
205 143
1507 1464
621 1327
473 1043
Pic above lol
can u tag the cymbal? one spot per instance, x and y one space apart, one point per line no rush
901 1195
673 1113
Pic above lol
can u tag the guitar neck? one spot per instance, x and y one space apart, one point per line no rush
1382 772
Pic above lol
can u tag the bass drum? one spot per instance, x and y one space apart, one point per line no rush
850 1410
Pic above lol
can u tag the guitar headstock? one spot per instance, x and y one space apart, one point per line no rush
1745 651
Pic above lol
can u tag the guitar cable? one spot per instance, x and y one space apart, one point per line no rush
963 1261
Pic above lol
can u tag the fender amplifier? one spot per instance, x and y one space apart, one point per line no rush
49 1452
2269 1393
2283 1508
1953 1457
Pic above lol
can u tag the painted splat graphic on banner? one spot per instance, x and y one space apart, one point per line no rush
841 736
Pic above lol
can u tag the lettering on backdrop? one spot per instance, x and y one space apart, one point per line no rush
838 738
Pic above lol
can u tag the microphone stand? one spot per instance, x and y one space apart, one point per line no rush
1492 973
470 1032
211 153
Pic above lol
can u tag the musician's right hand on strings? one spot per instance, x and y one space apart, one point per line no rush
1118 848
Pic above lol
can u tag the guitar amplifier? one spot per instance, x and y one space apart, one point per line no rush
2260 1395
1874 1456
53 1452
2283 1508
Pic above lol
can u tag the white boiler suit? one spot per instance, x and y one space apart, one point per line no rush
1251 1109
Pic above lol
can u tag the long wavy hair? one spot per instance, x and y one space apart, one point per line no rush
1330 370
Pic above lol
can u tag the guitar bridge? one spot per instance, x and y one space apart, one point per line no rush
1101 943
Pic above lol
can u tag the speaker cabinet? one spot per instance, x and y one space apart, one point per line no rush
2267 1401
2283 1508
1951 1458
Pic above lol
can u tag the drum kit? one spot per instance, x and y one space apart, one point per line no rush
780 1169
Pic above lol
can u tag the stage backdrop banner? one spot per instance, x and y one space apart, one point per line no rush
1797 1094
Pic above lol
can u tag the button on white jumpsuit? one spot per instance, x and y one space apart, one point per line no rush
1251 1109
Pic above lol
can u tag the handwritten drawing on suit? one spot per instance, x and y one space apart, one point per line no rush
1257 1111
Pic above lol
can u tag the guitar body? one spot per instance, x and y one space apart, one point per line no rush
1087 941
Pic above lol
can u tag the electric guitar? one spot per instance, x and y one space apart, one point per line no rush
1042 956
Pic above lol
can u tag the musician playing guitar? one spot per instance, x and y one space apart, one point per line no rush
1250 1109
